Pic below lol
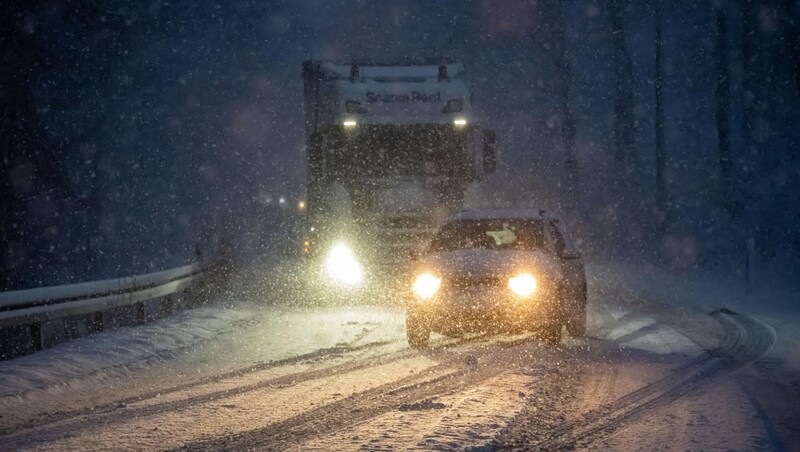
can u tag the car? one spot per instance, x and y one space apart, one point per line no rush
498 270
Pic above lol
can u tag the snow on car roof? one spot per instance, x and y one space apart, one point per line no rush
501 214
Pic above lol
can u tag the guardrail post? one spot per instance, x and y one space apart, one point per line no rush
98 321
139 308
36 335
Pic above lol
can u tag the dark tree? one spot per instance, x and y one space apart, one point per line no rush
661 157
754 99
791 37
624 99
58 63
722 112
31 174
564 71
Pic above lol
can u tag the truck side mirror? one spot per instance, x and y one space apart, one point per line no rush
489 153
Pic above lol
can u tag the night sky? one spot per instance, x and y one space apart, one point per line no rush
133 130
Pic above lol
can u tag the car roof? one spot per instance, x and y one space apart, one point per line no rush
505 213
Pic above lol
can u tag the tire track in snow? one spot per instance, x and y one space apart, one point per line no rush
455 374
113 409
319 356
745 340
123 410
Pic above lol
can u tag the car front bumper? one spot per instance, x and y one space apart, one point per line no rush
486 309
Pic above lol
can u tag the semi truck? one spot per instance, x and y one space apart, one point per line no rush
391 149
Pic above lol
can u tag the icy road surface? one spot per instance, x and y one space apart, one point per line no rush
255 374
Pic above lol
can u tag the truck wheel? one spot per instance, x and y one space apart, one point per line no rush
576 325
417 330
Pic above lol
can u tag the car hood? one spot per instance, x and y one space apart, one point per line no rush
478 263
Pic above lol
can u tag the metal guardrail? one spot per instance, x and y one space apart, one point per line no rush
36 306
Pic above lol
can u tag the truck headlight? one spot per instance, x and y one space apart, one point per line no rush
342 266
426 285
524 284
349 123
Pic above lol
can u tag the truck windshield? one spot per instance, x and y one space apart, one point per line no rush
489 234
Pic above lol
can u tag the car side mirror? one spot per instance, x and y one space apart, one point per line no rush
569 253
489 152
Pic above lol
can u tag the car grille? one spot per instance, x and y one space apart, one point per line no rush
470 281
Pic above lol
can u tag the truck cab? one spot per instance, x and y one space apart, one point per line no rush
401 139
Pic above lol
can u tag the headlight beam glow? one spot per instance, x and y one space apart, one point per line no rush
342 266
523 285
426 285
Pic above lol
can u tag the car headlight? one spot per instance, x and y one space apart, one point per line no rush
523 284
426 285
342 266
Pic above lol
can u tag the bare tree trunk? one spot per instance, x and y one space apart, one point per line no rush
791 37
750 114
30 160
624 185
723 95
624 100
8 223
93 209
564 70
662 200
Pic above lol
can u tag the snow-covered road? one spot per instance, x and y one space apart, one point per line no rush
255 375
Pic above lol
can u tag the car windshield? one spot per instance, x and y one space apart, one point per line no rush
489 234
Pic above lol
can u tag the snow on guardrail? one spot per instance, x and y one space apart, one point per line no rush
51 294
44 304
